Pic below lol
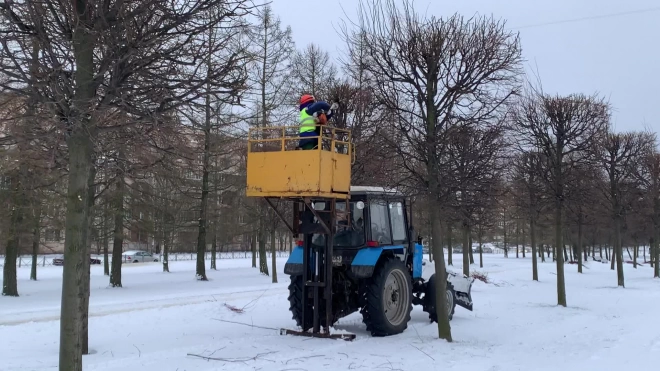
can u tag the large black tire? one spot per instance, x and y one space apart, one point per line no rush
388 299
296 305
429 299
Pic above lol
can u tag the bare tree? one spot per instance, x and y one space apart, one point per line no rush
649 175
474 163
528 175
428 81
274 65
271 68
563 129
619 155
581 195
314 71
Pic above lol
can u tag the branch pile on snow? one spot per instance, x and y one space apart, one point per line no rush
233 308
481 276
239 360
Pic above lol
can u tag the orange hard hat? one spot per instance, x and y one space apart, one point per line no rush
306 98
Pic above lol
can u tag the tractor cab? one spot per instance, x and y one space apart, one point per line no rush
372 218
371 221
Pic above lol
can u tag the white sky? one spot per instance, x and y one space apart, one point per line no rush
616 56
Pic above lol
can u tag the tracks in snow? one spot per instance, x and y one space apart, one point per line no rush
100 310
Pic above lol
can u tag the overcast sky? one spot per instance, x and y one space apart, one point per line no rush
616 56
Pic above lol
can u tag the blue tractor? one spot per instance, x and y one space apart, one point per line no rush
361 254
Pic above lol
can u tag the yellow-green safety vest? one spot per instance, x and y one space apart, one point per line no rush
307 121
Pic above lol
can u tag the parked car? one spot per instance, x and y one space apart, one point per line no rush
60 261
138 256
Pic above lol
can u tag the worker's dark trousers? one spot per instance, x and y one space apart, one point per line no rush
310 143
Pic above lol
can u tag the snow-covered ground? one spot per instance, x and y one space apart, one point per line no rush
157 321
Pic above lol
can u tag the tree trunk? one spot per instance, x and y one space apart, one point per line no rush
84 319
9 280
106 260
200 272
214 247
16 225
118 238
74 272
36 237
517 240
433 173
586 253
166 250
635 253
471 254
481 249
554 253
253 248
542 254
504 237
561 285
429 239
263 257
608 254
644 252
466 248
532 237
656 253
579 247
273 258
522 235
444 328
450 244
619 252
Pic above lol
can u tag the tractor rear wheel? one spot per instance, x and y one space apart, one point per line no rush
429 299
296 305
388 299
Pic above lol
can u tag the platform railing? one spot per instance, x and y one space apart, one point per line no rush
286 138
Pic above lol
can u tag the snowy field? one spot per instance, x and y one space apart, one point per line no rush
160 321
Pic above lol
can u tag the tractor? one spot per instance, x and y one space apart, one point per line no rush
356 249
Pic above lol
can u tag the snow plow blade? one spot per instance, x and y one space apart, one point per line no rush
462 288
322 335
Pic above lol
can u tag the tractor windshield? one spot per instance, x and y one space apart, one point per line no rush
350 230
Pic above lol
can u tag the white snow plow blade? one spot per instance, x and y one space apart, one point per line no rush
462 287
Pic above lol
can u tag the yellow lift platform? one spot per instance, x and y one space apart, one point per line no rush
277 168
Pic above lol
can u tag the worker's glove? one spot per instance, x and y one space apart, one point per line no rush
334 106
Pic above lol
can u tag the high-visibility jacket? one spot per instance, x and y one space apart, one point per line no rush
307 121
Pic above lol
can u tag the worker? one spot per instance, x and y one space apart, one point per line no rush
311 114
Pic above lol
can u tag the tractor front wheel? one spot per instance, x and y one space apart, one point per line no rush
429 299
388 299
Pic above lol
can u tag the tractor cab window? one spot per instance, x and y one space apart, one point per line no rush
350 227
398 221
380 223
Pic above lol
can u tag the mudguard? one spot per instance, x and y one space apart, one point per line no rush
463 288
